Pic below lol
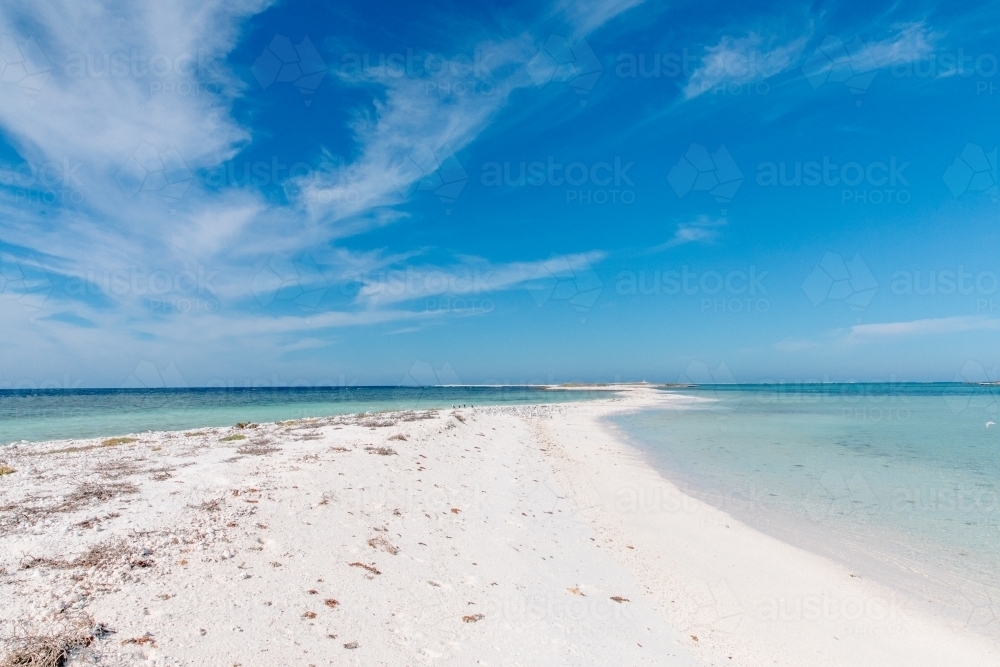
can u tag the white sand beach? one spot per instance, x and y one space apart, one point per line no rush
526 535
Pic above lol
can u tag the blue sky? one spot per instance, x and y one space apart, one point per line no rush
254 193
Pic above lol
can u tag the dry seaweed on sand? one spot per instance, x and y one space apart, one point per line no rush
380 542
410 416
114 442
371 568
257 447
213 505
381 451
145 640
106 555
6 470
27 511
53 649
398 436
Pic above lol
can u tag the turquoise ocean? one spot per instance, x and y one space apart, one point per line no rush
899 481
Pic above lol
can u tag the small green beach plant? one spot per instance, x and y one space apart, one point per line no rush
232 438
114 442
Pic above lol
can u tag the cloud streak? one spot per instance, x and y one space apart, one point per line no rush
742 60
870 333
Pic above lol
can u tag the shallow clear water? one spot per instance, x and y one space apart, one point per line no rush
37 415
902 476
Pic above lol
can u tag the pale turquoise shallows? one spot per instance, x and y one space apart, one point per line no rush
901 481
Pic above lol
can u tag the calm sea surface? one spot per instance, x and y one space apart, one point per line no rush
901 479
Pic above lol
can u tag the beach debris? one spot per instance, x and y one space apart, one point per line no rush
53 650
257 447
377 423
575 591
619 599
312 591
381 451
145 640
339 449
102 556
114 442
371 568
85 494
398 436
212 505
309 614
330 602
474 618
232 438
458 417
380 542
351 645
242 425
6 470
694 637
455 510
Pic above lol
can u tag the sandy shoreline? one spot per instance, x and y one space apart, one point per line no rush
496 535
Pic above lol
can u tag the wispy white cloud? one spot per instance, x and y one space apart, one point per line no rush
911 42
475 277
702 229
791 345
737 61
587 15
741 60
412 136
868 333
